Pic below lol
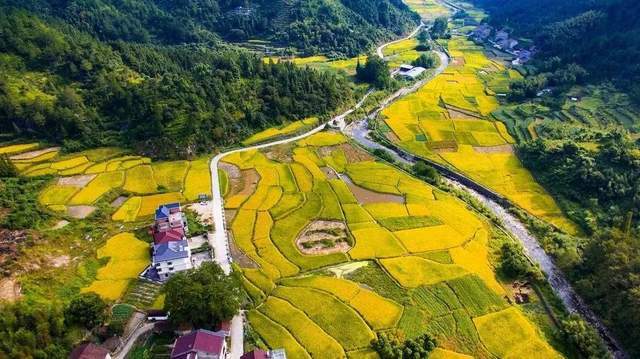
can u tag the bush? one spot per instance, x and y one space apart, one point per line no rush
427 61
514 263
388 347
584 337
426 172
203 297
87 310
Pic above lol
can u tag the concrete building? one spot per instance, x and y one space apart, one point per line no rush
171 257
200 344
410 72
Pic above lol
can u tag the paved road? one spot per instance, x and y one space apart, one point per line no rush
220 241
412 34
126 347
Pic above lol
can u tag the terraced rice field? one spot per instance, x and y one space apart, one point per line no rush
415 265
89 177
272 133
347 66
449 121
127 256
402 52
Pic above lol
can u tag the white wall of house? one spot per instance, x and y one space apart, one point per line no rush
166 268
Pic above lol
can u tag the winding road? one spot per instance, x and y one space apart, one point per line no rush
358 131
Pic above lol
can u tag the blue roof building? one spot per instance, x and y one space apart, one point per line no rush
171 257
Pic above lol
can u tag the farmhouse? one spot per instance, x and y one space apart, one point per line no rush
261 354
170 258
200 344
89 351
410 72
169 216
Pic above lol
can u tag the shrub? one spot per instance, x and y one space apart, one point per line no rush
86 310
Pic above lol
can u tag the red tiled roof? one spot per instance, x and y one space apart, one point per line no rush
88 351
175 234
255 354
198 341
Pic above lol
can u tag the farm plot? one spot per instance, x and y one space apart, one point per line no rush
448 121
123 265
422 261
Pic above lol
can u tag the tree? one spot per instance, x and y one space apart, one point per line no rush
584 337
375 71
203 297
439 27
514 263
86 310
379 152
427 61
388 347
426 172
7 168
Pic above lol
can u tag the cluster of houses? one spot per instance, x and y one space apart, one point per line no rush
198 344
501 40
171 253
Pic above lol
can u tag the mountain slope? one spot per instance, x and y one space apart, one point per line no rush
346 27
62 85
602 36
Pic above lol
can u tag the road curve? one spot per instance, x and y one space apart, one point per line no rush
124 349
412 34
220 240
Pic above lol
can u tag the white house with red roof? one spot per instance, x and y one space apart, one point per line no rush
200 344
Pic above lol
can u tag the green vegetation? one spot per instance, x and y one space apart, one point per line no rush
418 348
123 83
86 310
213 296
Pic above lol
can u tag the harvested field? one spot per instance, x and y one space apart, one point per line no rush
495 149
10 289
76 181
354 154
365 196
80 212
323 237
31 155
118 201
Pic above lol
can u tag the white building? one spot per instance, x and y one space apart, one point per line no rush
171 257
410 72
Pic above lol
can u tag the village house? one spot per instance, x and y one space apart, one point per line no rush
200 344
89 351
261 354
171 257
168 217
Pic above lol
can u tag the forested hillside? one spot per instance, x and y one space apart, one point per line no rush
63 85
601 36
346 27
